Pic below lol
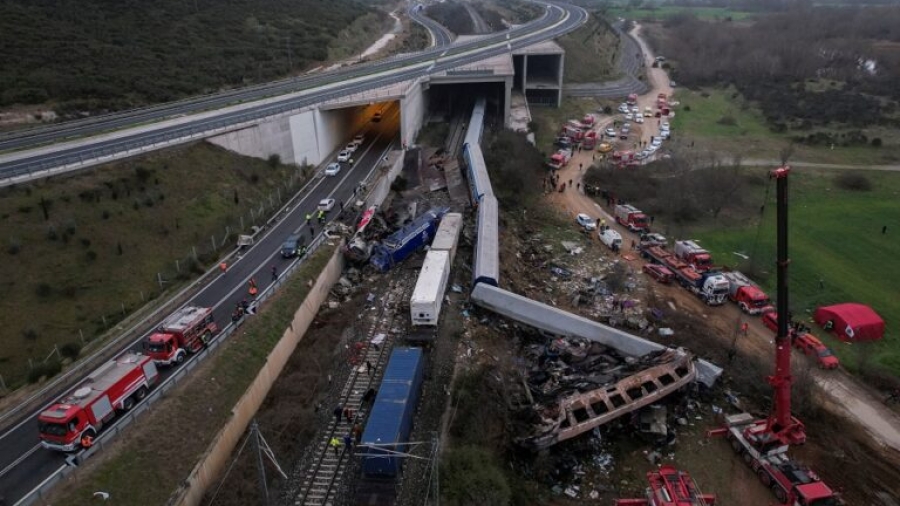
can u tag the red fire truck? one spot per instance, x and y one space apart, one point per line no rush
115 387
188 330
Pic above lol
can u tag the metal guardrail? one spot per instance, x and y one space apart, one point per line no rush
107 436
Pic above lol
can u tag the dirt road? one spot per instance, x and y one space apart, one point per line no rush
844 393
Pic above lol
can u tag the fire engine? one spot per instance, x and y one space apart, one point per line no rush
186 331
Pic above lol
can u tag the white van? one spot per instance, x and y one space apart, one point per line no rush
611 238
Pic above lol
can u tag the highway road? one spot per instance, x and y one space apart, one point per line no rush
24 464
629 65
560 19
440 35
26 139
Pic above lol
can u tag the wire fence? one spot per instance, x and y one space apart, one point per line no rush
138 312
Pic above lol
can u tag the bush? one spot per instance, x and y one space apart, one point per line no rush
91 255
15 246
44 370
30 334
727 121
43 290
274 160
853 182
399 184
471 476
876 142
70 350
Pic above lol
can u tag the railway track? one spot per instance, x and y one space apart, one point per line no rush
320 482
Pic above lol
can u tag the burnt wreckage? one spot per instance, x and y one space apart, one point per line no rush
575 385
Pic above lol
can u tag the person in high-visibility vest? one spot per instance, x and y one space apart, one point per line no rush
223 266
253 289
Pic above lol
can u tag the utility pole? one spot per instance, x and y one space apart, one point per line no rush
263 489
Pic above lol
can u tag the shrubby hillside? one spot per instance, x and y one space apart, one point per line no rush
96 55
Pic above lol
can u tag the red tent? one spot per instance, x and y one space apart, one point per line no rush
851 322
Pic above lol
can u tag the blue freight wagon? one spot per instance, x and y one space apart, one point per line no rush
399 245
391 418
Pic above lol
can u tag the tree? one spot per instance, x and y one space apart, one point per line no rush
471 477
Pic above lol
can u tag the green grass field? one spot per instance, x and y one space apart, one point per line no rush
591 53
107 233
720 120
837 251
709 13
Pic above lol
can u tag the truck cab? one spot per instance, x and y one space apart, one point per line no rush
753 300
186 331
164 349
632 218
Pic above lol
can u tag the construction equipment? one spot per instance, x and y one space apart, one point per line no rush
670 487
763 443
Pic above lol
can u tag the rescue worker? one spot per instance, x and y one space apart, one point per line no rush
308 217
223 267
253 289
274 273
87 441
321 216
335 444
745 327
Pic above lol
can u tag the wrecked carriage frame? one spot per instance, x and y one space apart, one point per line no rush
580 413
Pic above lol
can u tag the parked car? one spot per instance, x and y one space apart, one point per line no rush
333 169
653 239
635 110
610 132
638 119
629 116
605 147
648 112
623 135
664 125
352 146
359 138
645 154
292 246
586 221
810 345
344 156
657 142
672 84
623 108
660 273
326 205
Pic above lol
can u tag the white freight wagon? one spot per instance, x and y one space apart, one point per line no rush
447 236
425 304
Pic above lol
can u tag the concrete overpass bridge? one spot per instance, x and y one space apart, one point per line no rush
305 120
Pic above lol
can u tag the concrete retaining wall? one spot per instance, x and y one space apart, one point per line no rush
211 466
412 111
260 141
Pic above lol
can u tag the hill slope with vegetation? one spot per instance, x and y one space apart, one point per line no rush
100 55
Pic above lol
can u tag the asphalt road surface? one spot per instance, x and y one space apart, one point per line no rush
440 35
30 138
24 463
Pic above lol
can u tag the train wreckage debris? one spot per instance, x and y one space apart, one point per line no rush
577 385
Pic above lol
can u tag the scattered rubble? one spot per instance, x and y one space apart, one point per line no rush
575 385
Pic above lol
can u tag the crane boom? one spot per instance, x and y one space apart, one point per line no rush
781 425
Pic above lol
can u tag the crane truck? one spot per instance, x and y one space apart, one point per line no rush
668 486
185 332
763 443
115 387
747 294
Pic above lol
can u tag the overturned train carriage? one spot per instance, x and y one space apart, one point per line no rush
576 414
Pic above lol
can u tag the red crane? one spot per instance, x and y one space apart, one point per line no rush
763 444
670 487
